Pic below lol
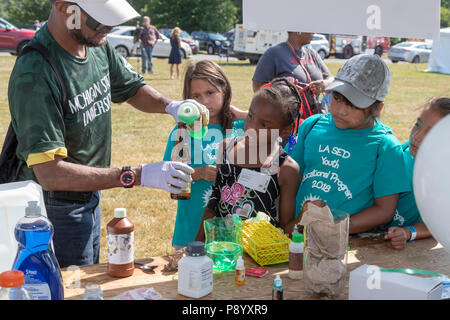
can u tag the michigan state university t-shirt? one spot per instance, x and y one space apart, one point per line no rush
348 168
203 152
81 133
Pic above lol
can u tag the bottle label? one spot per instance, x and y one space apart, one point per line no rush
200 279
295 261
121 248
240 276
36 285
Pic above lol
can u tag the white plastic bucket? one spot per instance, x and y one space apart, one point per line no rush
14 199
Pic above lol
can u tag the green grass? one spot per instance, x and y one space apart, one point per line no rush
141 138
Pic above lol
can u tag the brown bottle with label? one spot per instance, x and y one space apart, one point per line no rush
181 153
120 244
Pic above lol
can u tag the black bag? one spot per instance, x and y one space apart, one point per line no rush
9 163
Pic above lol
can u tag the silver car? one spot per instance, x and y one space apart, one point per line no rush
414 52
121 38
320 43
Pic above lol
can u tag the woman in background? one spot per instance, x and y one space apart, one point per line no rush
175 55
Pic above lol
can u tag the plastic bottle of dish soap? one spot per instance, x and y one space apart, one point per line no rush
35 256
277 290
240 271
296 255
11 286
195 271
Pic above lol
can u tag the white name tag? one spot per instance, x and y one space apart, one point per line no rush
254 180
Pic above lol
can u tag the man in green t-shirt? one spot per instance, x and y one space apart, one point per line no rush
66 147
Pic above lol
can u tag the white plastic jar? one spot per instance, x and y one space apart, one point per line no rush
195 272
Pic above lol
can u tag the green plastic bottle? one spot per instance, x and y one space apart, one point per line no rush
189 114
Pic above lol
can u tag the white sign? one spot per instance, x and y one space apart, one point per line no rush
388 18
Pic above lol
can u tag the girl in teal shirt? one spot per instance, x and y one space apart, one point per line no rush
206 83
348 158
407 224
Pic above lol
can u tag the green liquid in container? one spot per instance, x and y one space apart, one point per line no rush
224 255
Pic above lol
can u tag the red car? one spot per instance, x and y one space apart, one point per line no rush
13 39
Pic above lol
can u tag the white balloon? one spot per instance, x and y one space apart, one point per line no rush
432 181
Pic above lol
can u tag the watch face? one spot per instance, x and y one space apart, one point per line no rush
127 178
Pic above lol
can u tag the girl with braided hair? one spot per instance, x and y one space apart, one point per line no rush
254 172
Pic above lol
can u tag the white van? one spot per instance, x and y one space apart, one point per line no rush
251 44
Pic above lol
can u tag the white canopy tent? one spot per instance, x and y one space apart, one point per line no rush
440 56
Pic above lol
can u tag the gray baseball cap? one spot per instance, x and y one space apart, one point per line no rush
363 79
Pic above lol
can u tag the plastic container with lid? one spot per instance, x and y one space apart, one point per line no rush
35 256
296 255
120 235
195 271
11 286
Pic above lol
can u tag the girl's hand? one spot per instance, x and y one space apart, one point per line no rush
207 173
398 236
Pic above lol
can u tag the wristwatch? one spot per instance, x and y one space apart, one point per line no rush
127 177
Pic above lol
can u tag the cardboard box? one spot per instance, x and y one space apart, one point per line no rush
369 282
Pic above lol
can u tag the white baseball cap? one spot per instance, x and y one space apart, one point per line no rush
108 12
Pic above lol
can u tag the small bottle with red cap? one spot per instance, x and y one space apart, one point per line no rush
11 286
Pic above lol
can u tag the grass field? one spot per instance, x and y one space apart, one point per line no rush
141 138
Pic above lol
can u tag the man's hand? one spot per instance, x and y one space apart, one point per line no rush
167 175
398 236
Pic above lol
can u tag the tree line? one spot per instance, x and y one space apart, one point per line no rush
190 15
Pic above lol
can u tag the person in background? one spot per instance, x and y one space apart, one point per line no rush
136 39
175 54
348 158
37 25
205 82
407 224
294 58
65 145
149 38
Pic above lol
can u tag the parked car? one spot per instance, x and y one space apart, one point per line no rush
410 51
184 36
213 43
121 38
13 39
320 43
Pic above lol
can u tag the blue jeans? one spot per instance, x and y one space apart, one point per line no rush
76 239
147 53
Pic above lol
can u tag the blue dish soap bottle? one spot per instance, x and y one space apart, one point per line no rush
35 256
